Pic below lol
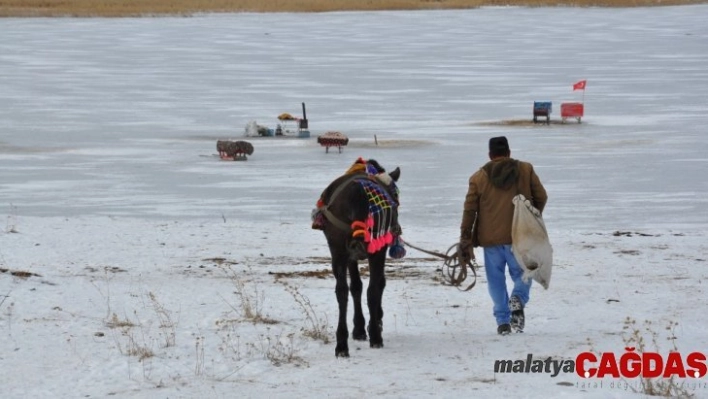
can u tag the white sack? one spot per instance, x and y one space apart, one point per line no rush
530 243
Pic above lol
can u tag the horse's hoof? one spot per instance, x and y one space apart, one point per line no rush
359 337
342 350
378 345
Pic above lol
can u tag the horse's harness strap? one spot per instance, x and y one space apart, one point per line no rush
336 222
325 209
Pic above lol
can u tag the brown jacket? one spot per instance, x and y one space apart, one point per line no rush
488 206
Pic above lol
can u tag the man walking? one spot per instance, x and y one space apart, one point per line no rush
486 222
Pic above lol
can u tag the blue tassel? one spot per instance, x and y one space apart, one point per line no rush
396 250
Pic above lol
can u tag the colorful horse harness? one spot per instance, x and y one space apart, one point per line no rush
380 228
377 228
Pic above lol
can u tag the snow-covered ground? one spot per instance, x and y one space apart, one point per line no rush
131 255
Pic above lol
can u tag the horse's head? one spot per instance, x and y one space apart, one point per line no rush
374 168
387 179
391 177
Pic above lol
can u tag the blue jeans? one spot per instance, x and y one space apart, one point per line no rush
495 260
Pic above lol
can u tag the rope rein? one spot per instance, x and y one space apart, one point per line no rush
454 272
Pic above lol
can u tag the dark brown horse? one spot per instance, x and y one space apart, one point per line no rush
358 213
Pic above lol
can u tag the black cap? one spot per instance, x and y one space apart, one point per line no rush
498 146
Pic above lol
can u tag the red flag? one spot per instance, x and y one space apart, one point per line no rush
580 85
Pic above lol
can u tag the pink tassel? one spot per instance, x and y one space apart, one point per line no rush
388 238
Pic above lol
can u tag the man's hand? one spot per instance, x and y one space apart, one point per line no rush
465 251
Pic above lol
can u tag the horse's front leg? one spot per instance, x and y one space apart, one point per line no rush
339 268
377 283
356 287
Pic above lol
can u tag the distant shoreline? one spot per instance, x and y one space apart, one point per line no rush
186 8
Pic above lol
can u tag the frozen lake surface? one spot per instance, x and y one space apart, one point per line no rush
121 116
